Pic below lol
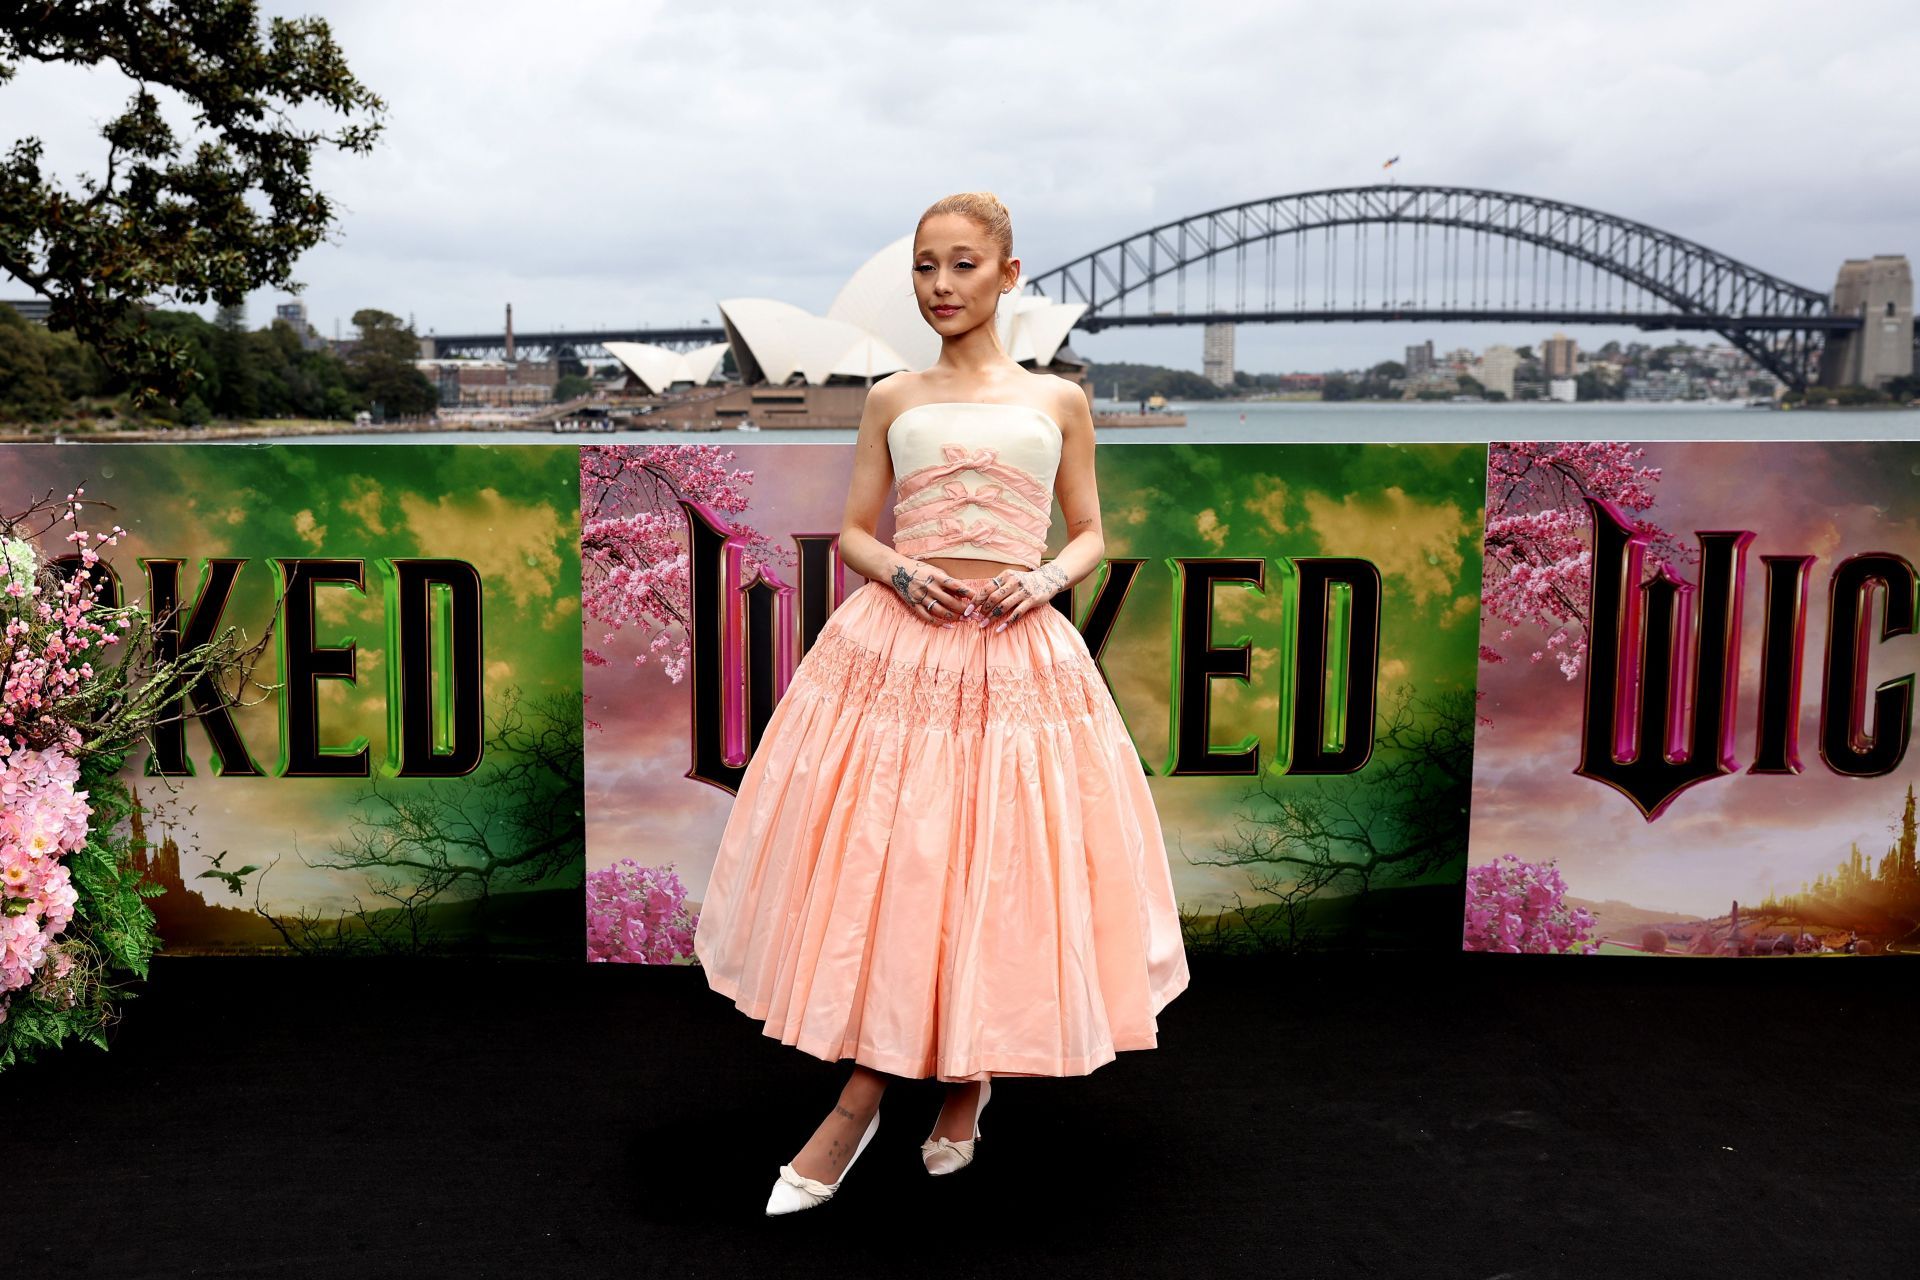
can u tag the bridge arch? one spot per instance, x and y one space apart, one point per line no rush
1663 281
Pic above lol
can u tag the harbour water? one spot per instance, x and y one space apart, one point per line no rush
1313 421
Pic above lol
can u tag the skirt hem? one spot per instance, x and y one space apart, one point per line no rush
917 1067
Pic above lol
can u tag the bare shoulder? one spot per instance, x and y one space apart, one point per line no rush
890 395
1067 402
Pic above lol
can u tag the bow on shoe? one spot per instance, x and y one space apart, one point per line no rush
944 1155
820 1190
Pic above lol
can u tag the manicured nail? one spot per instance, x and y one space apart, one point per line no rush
1002 627
968 611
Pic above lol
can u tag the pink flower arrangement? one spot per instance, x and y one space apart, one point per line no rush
1518 906
43 812
638 915
48 643
43 817
72 891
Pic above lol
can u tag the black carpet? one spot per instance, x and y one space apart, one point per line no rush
1448 1116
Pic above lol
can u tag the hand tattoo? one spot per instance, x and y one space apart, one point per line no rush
1037 586
903 583
1043 583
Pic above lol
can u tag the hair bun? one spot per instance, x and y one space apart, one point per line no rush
982 207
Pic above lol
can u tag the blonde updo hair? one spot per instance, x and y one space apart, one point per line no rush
982 207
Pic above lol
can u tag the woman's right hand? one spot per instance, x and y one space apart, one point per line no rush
937 597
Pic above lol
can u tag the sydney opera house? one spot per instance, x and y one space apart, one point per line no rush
793 368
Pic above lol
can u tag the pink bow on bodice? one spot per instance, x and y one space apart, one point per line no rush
955 496
948 532
985 460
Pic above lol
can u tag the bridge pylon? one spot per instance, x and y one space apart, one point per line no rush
1880 291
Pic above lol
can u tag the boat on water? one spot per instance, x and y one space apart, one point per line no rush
587 418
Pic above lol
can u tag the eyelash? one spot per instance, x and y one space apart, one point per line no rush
924 265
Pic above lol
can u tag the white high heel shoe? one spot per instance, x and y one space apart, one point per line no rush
795 1191
944 1155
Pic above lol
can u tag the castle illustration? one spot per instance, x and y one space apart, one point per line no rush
186 921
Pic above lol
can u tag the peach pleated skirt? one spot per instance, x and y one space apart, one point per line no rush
943 858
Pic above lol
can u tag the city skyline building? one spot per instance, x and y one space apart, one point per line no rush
1558 355
1495 368
465 383
1216 354
294 313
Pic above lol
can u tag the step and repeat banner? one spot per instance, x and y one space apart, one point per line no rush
403 773
1697 696
1586 698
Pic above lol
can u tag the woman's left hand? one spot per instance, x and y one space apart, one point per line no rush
1016 591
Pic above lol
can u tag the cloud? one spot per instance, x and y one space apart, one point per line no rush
785 143
1269 502
1462 608
363 504
1414 541
311 531
513 546
1209 526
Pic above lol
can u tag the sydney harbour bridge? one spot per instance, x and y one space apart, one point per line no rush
1393 252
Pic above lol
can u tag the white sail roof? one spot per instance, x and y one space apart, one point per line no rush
874 327
780 340
661 368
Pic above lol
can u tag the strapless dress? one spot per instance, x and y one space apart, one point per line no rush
943 857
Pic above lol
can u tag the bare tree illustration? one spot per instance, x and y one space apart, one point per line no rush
518 821
1402 817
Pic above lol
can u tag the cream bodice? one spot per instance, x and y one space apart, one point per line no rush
973 480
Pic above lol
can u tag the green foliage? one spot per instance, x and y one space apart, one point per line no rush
1373 386
265 373
1591 386
233 217
571 387
1138 381
382 365
111 934
1838 396
42 374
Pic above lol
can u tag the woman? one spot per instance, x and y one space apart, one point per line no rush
943 859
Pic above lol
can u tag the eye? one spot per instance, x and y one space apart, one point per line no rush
963 263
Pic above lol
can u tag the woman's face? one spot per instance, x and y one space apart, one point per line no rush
958 273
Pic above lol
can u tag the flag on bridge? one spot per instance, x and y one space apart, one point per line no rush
1389 164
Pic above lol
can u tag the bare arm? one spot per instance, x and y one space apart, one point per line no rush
1077 488
935 596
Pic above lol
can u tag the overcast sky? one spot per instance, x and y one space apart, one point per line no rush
602 164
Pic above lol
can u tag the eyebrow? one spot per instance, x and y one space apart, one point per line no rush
959 248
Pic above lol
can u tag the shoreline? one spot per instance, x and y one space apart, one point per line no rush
63 433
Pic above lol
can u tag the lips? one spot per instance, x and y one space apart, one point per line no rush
945 311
